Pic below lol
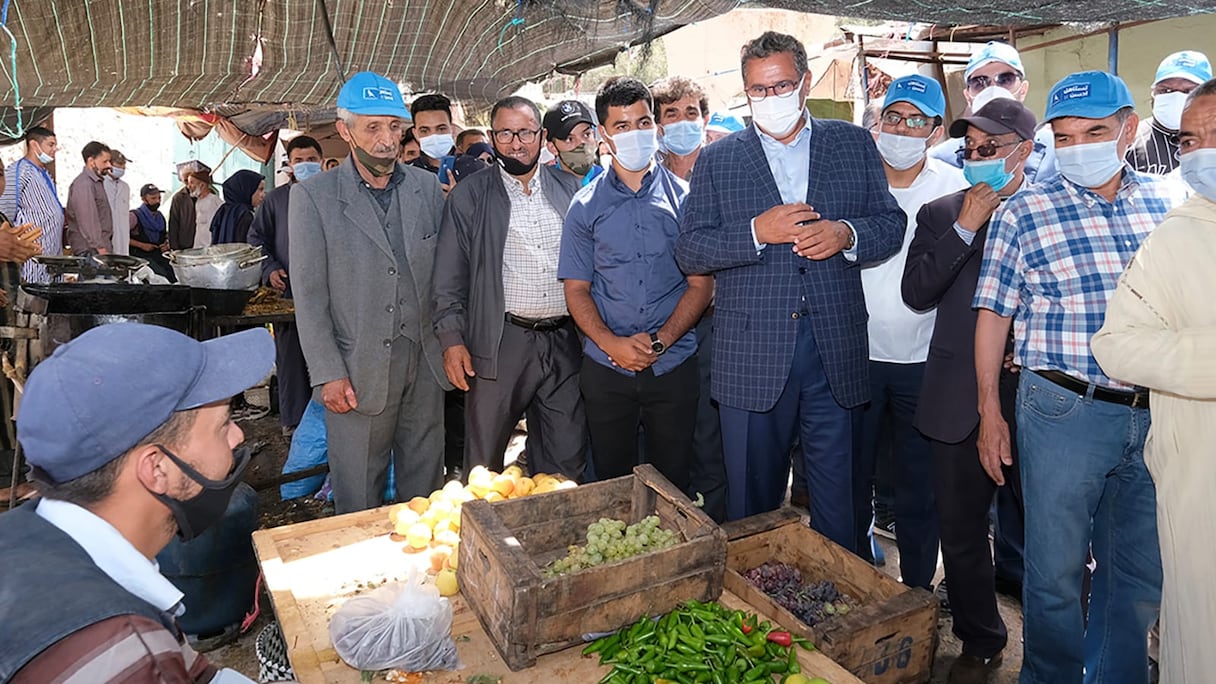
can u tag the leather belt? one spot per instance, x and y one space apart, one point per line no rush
1137 399
538 324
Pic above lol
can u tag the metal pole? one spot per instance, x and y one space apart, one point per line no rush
1112 58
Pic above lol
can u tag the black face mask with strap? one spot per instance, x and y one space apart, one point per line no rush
202 511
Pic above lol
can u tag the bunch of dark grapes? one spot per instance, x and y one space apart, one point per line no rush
812 603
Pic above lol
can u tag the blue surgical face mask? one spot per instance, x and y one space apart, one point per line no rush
990 171
116 172
305 170
1199 171
1091 164
683 137
437 145
635 149
45 158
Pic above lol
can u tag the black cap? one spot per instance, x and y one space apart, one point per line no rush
1002 115
564 116
149 189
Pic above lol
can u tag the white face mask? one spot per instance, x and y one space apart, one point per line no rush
1199 171
635 149
436 146
777 116
1167 110
988 95
1092 164
901 151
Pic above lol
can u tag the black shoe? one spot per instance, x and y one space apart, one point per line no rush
942 596
884 524
799 499
968 669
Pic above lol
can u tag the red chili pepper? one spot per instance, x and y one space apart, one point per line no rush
747 629
780 638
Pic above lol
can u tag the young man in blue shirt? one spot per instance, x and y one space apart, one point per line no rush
629 297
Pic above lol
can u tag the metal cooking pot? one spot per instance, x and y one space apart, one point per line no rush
219 267
93 266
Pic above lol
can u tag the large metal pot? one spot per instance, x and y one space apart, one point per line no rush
219 267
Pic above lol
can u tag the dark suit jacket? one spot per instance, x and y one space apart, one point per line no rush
942 271
758 294
269 231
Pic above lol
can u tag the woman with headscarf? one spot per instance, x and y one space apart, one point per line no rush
243 192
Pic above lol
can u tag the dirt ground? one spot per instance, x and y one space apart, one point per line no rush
268 463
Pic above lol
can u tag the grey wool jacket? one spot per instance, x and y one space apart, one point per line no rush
344 277
470 306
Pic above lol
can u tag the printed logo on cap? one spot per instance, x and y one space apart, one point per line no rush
377 93
569 108
1076 91
915 86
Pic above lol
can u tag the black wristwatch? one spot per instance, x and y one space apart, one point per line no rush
656 345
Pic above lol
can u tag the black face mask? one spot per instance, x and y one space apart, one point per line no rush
154 207
514 166
199 513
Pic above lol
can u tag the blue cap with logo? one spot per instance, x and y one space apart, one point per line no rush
922 92
1088 95
102 393
724 122
994 51
1188 64
370 94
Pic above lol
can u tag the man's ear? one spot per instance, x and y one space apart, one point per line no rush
152 468
343 131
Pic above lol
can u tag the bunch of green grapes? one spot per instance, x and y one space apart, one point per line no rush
611 540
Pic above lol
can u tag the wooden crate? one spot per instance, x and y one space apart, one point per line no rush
890 638
505 546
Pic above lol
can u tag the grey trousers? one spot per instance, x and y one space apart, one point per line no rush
537 379
409 430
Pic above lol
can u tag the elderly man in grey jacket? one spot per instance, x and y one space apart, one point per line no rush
500 311
363 243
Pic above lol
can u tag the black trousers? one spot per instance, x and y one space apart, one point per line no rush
295 389
537 379
664 405
964 497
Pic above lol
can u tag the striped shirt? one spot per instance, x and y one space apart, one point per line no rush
1155 150
529 260
1053 258
32 198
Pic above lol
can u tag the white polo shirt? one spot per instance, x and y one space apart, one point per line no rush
899 334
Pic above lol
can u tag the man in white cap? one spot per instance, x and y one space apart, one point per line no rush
126 450
366 235
1159 333
996 70
1156 147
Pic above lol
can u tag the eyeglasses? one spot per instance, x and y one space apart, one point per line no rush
526 136
1161 89
782 89
1006 80
915 122
988 149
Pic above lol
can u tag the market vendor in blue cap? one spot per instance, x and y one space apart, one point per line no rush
126 450
366 232
1053 258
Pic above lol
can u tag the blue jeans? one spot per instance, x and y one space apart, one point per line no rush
1085 485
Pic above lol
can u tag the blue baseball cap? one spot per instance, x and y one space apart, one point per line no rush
1189 64
922 92
724 122
1089 95
370 94
98 395
994 51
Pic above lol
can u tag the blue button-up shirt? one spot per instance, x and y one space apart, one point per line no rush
623 243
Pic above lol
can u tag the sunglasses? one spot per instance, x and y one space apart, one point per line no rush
1006 80
915 122
987 150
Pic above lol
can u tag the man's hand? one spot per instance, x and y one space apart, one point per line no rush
780 224
164 247
1010 365
458 366
994 447
339 396
447 187
978 205
823 239
278 280
15 250
631 353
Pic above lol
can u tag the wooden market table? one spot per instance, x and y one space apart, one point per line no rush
311 568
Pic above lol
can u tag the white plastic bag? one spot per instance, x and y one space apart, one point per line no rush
406 626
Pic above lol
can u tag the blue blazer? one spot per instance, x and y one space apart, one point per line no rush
758 294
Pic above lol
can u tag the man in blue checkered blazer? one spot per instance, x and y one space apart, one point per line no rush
782 213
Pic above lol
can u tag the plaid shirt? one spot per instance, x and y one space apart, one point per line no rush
1053 258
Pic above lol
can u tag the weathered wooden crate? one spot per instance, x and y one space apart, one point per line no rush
890 638
505 546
